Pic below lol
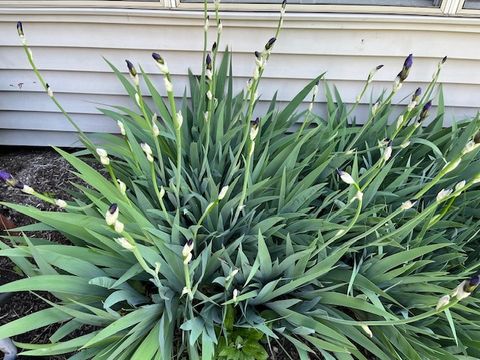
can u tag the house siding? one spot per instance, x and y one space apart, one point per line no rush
68 46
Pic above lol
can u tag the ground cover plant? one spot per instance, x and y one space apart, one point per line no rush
217 234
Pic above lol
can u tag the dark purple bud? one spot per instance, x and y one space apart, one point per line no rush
5 176
472 283
444 60
17 184
379 67
158 58
131 68
113 208
255 122
20 29
270 43
214 46
284 4
208 61
425 110
258 55
408 62
418 92
190 243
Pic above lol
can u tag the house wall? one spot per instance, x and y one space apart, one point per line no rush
68 46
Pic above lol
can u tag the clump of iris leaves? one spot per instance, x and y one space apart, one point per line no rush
217 234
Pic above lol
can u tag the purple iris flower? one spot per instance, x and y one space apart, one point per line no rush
20 28
408 62
472 283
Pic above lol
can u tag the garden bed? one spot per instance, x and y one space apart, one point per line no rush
46 171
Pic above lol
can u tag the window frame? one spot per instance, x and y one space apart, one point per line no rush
111 4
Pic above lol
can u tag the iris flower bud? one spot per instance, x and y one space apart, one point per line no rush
235 295
443 194
387 153
20 29
121 127
214 46
425 110
408 204
402 75
254 129
472 283
161 63
122 187
28 190
133 72
187 248
223 192
270 43
460 185
61 203
179 118
443 301
49 90
417 94
346 177
209 95
208 62
125 244
119 226
111 215
147 150
6 177
205 27
367 330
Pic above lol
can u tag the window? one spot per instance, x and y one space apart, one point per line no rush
472 4
410 3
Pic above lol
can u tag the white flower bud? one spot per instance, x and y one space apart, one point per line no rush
179 119
163 67
460 292
168 84
61 203
346 177
367 330
471 145
407 205
206 25
125 244
205 116
208 74
137 99
460 185
223 192
443 301
49 91
387 153
111 215
105 160
28 190
122 187
121 127
119 226
155 130
187 248
235 295
102 152
150 158
253 132
146 148
162 192
399 121
209 95
443 194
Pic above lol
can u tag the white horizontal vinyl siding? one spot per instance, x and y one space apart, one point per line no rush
68 46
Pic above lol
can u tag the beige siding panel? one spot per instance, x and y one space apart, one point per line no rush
68 48
284 66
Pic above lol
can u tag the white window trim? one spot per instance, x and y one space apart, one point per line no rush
158 4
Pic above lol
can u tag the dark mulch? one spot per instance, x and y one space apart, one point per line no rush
47 172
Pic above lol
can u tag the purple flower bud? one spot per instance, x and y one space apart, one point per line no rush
270 43
5 176
255 122
20 29
158 58
379 67
257 54
425 110
214 46
208 61
131 68
444 60
417 94
113 208
472 284
190 242
284 4
408 61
